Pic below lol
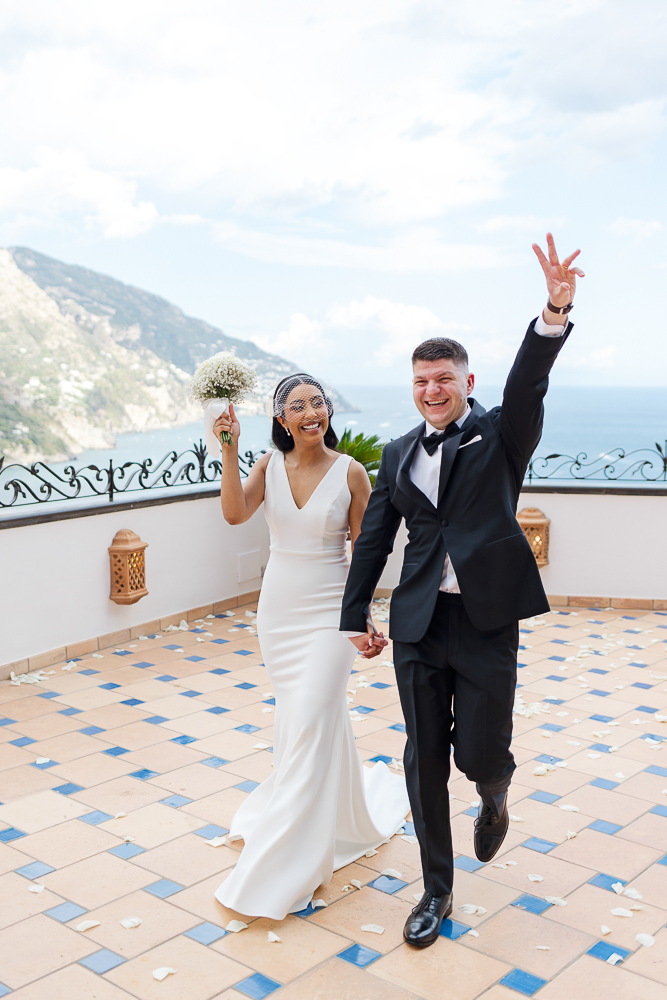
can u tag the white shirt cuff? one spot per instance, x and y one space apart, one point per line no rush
546 330
353 635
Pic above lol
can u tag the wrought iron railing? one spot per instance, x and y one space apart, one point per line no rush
22 485
38 483
641 466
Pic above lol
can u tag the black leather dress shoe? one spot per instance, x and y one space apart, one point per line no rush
423 925
490 830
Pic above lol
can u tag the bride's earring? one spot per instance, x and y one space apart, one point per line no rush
288 433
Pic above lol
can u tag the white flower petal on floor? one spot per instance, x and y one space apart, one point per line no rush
216 841
236 926
370 854
620 911
516 819
392 873
647 940
316 904
163 972
372 928
570 835
86 925
472 908
261 746
43 760
542 947
273 938
569 808
618 888
473 933
604 930
556 900
409 839
536 878
614 959
356 883
35 887
632 894
129 923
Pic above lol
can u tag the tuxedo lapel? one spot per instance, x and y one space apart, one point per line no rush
403 481
449 448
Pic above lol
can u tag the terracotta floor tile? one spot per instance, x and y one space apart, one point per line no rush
338 980
366 906
72 983
11 757
466 974
560 877
95 697
200 899
46 726
152 825
590 848
68 746
387 742
120 795
652 883
95 769
651 962
166 756
650 830
514 936
201 972
231 745
138 735
303 946
196 780
472 888
606 805
173 706
10 858
589 907
111 716
69 842
40 810
202 724
547 821
560 781
187 860
18 903
256 766
397 854
19 781
151 689
161 921
333 890
644 786
589 978
38 946
97 880
33 707
217 808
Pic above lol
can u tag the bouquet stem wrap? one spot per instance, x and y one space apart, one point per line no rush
214 408
217 382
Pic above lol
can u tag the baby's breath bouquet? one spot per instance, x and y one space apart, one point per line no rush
219 381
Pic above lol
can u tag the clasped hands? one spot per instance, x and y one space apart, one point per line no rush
372 643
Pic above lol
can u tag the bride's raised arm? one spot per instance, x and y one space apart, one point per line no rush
238 500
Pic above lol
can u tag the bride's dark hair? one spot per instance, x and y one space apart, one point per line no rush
281 439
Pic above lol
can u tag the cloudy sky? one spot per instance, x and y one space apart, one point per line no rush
339 180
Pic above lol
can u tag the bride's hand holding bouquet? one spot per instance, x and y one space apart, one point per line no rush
217 383
227 428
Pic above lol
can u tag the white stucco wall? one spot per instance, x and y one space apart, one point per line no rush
55 580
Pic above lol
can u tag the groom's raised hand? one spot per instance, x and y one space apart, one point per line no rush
561 278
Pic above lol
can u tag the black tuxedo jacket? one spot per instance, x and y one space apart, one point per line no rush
475 519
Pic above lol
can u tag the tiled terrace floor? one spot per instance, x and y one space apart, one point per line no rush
115 772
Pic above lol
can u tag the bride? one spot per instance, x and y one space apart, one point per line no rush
320 808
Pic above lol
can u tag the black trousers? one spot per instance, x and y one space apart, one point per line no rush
457 689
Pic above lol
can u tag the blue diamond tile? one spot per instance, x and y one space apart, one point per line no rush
653 736
546 758
132 701
11 833
359 955
363 709
102 961
195 659
659 810
93 818
552 677
45 766
70 711
143 774
662 860
89 672
547 797
452 929
257 986
243 652
603 881
163 888
190 694
596 670
247 786
211 831
473 811
68 788
50 694
467 864
126 851
34 870
172 646
559 659
23 741
143 664
7 722
646 708
383 758
109 686
599 694
552 700
214 761
165 678
216 710
245 686
654 769
636 663
205 933
92 730
604 783
155 720
65 911
115 751
269 701
197 630
399 727
4 990
246 728
601 826
602 718
600 747
409 828
122 652
380 685
539 845
175 801
522 982
183 740
531 903
552 727
644 687
387 884
604 951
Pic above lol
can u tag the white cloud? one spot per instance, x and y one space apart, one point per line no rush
635 229
522 223
594 360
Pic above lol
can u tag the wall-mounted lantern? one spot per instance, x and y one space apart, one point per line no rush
535 527
128 567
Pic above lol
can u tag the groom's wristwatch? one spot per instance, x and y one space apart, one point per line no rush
561 310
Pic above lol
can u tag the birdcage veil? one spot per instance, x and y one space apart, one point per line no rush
287 386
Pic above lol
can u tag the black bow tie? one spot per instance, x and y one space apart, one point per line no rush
432 441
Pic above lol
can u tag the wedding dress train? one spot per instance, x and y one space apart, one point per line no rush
320 808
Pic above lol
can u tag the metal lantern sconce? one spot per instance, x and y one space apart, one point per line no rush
535 527
128 567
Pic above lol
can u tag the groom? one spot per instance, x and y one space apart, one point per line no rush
468 576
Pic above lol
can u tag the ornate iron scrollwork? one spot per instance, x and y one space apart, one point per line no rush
644 465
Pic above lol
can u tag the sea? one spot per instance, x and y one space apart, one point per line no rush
588 423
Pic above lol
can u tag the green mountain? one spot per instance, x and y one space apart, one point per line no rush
84 357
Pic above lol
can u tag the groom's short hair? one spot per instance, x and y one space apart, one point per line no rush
440 347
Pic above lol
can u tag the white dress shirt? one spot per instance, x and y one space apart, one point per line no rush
425 468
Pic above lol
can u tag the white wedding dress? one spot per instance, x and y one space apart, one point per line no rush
320 808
